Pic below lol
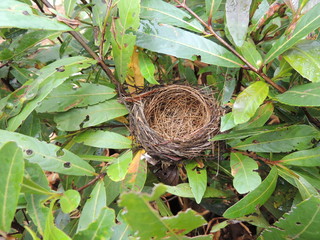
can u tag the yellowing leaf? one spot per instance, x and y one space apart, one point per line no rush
134 166
134 78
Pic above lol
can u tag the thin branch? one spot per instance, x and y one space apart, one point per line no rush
228 46
84 44
93 181
255 156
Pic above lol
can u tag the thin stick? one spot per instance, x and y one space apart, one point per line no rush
248 64
83 43
93 181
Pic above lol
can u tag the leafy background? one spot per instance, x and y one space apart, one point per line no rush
71 170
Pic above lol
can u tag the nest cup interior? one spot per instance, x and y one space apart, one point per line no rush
177 113
175 122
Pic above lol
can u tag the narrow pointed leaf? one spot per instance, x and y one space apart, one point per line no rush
33 92
304 95
76 118
48 156
51 231
254 199
197 178
183 44
163 12
297 137
248 101
15 14
306 24
122 42
93 206
237 16
11 172
119 167
148 223
103 139
304 58
69 95
101 228
305 158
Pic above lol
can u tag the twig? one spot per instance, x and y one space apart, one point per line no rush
83 43
248 65
255 156
93 181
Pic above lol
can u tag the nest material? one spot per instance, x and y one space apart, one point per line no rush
175 122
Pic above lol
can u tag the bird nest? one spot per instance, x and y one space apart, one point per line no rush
174 122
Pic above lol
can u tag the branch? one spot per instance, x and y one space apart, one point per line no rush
248 65
93 181
255 156
83 43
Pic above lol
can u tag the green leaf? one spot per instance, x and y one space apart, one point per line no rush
248 132
261 116
69 95
35 208
99 11
304 95
49 157
297 137
37 211
31 126
212 6
147 68
29 186
51 231
93 206
103 139
74 119
69 6
70 200
248 101
122 42
227 122
119 167
183 44
184 190
306 190
15 14
22 74
302 222
254 199
237 17
243 169
148 224
163 12
305 158
304 58
30 39
11 172
306 24
251 54
101 228
33 92
197 178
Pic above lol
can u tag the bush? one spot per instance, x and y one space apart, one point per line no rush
70 168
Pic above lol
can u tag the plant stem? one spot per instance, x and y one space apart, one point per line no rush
93 181
228 46
83 43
